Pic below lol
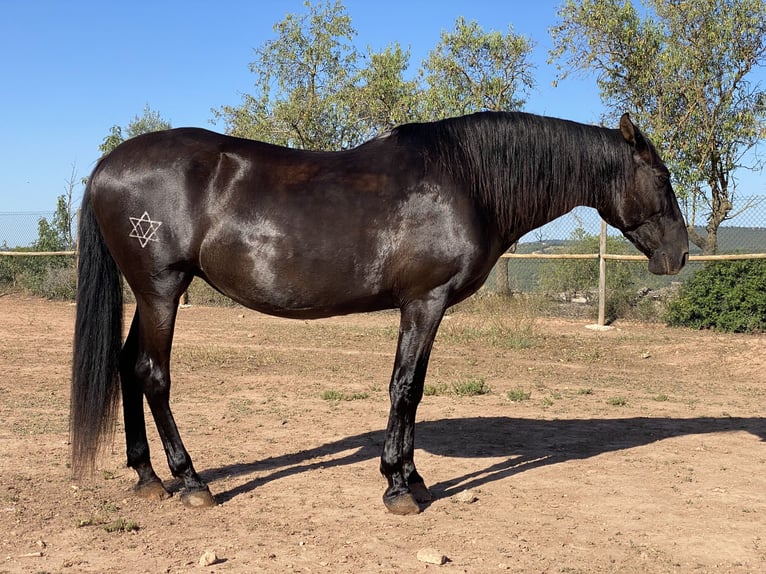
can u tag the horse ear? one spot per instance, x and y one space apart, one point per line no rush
632 134
627 129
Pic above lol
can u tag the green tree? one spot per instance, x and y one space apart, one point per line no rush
315 90
383 98
303 78
149 121
472 70
683 67
56 234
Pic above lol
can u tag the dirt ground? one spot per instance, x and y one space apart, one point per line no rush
638 449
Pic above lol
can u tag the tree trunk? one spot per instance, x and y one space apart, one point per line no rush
720 207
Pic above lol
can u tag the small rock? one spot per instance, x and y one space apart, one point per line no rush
432 556
208 558
466 497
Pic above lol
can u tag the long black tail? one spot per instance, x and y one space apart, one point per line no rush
97 342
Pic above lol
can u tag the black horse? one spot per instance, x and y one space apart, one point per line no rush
414 220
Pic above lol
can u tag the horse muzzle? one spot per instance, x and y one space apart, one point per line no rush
667 262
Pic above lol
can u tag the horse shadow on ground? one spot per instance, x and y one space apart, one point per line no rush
523 443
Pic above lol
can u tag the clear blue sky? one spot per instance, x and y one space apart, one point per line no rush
71 70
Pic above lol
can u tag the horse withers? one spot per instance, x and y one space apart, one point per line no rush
412 220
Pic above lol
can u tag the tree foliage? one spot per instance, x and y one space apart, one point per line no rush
683 68
57 234
472 70
303 78
383 98
149 121
314 90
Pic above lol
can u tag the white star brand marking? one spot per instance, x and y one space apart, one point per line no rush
144 229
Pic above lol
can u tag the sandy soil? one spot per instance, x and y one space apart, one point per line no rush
638 449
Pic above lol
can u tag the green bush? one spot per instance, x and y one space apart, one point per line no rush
51 277
726 296
58 283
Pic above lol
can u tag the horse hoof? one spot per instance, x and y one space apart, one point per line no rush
421 493
402 504
153 490
197 498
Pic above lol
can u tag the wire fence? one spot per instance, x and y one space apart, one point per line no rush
21 229
574 235
744 233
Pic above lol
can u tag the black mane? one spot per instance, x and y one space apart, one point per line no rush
523 167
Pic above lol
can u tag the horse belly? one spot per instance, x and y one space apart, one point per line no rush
334 260
270 274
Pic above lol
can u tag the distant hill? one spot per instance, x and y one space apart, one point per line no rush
737 240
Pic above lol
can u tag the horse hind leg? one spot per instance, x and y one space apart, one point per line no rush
155 327
137 446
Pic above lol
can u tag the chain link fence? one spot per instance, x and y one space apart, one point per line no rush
575 234
20 229
743 233
23 266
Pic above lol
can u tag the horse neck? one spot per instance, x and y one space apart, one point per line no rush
523 170
551 199
527 214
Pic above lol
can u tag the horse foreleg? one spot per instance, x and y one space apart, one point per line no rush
137 446
153 370
406 488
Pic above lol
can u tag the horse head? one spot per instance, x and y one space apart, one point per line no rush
647 211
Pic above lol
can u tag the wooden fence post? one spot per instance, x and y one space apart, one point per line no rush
501 273
602 276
